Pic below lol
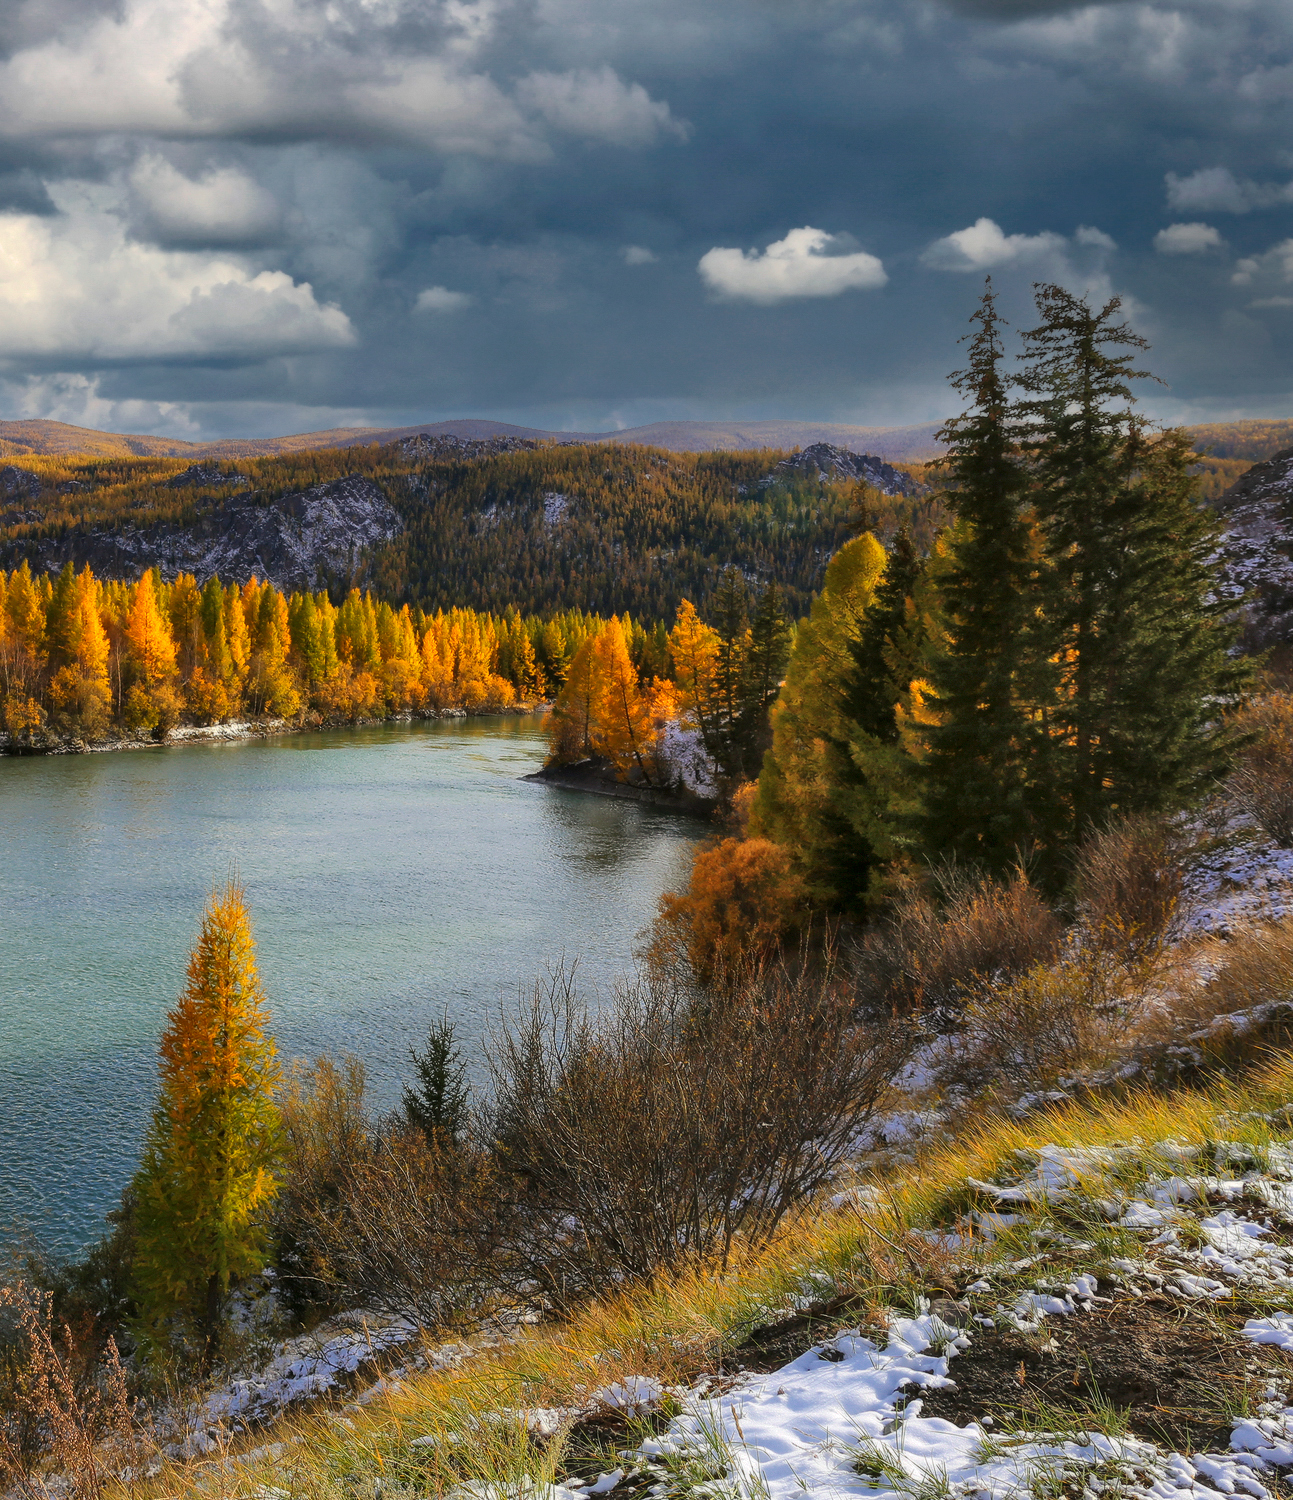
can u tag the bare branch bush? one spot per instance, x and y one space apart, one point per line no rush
665 1126
373 1214
327 1129
416 1228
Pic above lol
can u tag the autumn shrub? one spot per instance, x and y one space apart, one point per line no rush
58 1405
326 1132
1261 785
662 1128
743 902
1129 881
932 956
1229 1006
1039 1026
380 1213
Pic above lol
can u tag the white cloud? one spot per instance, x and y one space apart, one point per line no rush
441 299
638 255
984 246
1187 239
1095 239
600 105
1276 264
1218 190
223 207
297 70
794 267
75 287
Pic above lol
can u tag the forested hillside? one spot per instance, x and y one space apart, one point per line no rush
441 524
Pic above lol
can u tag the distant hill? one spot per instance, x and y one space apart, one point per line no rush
1250 441
895 444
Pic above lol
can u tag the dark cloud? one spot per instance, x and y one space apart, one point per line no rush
422 210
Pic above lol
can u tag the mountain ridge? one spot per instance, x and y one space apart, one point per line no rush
41 437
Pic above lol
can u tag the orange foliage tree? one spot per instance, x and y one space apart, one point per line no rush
207 1175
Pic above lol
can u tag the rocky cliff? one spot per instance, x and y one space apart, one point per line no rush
1257 513
298 541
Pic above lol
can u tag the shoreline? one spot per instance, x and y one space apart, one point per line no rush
590 776
243 729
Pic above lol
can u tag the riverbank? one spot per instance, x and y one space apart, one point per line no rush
46 742
597 776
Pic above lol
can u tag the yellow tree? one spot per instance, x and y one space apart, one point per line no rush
80 689
623 729
207 1174
573 721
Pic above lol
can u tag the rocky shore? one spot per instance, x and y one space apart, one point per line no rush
598 777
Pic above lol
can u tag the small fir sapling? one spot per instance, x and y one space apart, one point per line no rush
436 1104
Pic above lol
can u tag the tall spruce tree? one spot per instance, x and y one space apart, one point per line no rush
1142 641
986 773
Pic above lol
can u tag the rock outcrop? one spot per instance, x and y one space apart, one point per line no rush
828 464
1257 550
298 541
203 476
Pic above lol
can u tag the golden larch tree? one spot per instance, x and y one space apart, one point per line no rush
207 1175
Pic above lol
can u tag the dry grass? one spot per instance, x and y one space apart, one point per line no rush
1261 785
66 1423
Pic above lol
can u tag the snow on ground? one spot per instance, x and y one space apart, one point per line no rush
1247 880
842 1418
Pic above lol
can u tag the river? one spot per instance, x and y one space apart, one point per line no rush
391 872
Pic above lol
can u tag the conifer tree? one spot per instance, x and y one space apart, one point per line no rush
437 1103
798 803
869 772
207 1174
622 725
987 795
1131 606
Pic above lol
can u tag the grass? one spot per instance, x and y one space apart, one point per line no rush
680 1327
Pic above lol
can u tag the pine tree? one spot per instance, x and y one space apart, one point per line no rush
437 1103
207 1174
986 775
767 654
1144 644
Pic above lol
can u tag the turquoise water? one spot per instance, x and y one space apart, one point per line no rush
391 872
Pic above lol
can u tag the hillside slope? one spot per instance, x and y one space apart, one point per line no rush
444 521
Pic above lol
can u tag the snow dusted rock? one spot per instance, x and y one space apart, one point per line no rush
295 541
826 463
17 484
1257 550
204 476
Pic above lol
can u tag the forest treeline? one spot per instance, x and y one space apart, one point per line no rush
544 529
80 655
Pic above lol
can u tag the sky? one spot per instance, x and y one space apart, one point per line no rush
252 217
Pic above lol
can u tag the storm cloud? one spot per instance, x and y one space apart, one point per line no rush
231 216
